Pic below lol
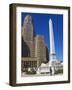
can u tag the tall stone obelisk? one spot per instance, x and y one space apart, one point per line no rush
52 46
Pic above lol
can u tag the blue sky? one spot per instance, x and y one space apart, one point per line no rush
41 27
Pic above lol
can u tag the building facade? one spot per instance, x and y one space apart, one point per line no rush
40 49
34 50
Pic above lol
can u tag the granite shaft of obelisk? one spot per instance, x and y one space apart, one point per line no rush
52 47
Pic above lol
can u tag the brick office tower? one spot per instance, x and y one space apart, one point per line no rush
40 49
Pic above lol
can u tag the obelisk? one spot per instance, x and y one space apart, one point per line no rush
52 45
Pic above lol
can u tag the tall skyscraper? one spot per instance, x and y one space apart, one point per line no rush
27 35
53 58
27 31
34 49
40 49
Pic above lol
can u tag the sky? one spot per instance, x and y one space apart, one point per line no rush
41 27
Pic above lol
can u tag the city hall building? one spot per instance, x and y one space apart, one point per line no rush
34 50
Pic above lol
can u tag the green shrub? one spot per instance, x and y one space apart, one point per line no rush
30 72
59 71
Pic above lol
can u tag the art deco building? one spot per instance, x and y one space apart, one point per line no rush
34 50
27 35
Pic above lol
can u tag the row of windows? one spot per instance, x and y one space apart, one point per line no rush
29 64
